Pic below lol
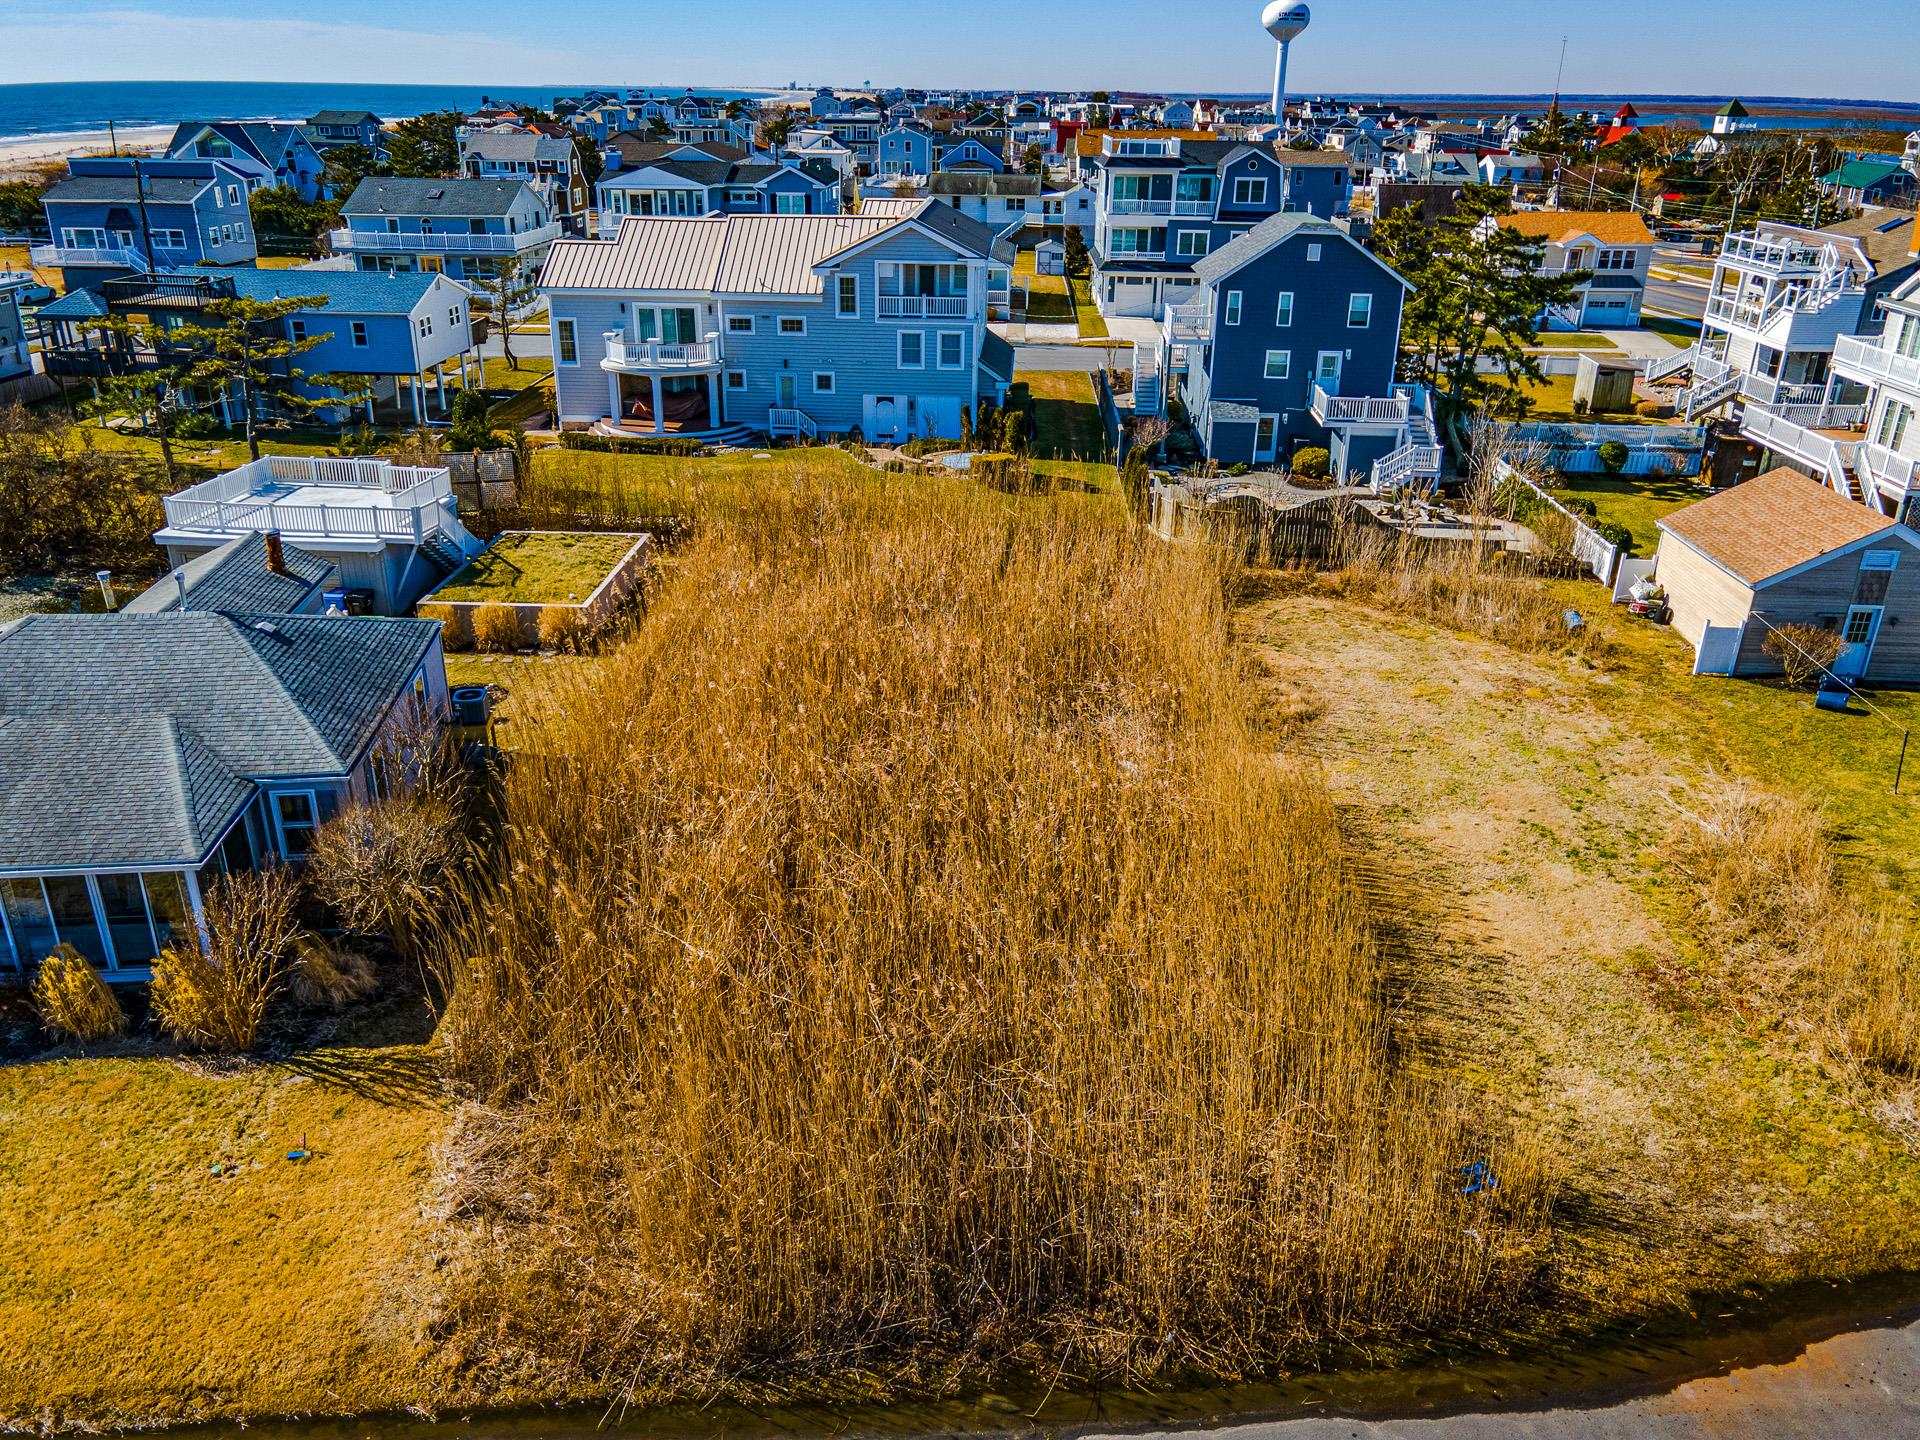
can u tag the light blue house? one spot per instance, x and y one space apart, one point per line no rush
116 215
718 187
1161 204
777 325
1290 338
266 152
407 333
915 150
466 229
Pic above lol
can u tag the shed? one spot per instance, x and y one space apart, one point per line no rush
1605 385
1783 549
1050 258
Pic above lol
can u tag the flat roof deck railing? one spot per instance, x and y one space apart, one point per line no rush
316 496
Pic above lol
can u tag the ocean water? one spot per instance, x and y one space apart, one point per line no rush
57 109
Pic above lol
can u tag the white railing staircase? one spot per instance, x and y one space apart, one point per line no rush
1420 455
1704 395
783 421
1149 380
1669 365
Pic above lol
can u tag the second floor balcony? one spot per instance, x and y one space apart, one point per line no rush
924 307
1189 208
1360 409
625 353
348 241
119 257
1872 360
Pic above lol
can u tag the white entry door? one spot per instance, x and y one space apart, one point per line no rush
1266 439
881 419
1857 637
1326 374
784 392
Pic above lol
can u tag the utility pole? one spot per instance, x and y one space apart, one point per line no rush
113 139
140 198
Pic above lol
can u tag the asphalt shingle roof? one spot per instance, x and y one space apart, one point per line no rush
517 145
397 195
1772 523
235 579
166 189
354 292
123 737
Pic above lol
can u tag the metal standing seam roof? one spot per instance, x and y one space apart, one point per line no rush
134 738
737 254
396 195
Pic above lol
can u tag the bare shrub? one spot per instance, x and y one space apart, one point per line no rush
563 628
328 974
902 958
215 995
72 999
456 626
1803 652
421 447
497 629
390 868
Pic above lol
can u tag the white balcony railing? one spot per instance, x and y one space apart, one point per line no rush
1359 409
372 500
625 353
121 257
382 242
1895 475
1783 257
1797 434
923 307
1871 360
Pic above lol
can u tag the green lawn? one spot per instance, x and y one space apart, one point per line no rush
1047 299
1636 501
1070 443
1574 340
1092 326
1681 332
538 569
1553 401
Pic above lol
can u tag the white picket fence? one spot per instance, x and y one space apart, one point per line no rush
1592 549
1651 449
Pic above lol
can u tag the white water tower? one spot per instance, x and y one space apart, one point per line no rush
1284 20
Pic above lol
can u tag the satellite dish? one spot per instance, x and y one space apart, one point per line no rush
1285 19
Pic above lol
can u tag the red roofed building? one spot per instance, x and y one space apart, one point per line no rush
1626 121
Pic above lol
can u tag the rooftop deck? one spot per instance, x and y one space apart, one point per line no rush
317 499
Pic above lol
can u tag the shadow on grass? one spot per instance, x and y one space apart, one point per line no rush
406 1076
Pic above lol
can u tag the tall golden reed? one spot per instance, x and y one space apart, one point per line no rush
904 963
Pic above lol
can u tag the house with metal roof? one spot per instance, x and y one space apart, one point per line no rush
142 756
1870 183
1290 340
549 164
465 229
718 187
409 333
116 215
735 325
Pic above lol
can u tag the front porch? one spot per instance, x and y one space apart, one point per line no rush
663 405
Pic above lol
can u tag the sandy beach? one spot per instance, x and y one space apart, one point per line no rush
23 153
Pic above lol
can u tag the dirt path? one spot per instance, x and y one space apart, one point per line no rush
1503 823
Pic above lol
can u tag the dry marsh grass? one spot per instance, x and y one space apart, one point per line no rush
904 967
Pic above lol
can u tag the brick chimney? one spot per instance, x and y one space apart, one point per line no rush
276 555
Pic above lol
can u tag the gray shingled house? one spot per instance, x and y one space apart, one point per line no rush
143 754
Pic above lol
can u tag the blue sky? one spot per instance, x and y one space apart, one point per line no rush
1862 48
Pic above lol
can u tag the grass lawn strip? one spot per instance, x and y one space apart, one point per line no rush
1638 502
1070 441
538 569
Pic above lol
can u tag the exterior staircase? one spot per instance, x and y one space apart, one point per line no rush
784 423
1668 366
442 552
1704 395
1420 456
1149 380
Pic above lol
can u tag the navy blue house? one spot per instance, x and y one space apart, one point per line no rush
267 152
1162 203
1290 339
115 216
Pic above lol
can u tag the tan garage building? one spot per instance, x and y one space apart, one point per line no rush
1783 549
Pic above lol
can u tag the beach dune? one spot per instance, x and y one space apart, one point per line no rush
26 153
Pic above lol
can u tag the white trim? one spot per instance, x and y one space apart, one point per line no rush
1286 365
1367 322
829 388
1234 304
739 325
940 346
1283 313
570 327
782 323
280 827
899 349
839 297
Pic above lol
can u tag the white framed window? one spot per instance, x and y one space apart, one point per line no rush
1359 310
739 324
565 343
170 239
358 330
1234 301
297 329
789 204
296 815
1249 190
1313 253
453 317
912 354
1279 364
953 349
793 324
847 292
1283 311
823 382
233 194
736 379
213 235
1191 242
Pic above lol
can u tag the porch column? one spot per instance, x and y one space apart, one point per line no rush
419 407
613 396
440 386
659 414
1338 469
369 407
714 418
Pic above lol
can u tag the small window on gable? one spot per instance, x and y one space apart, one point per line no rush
849 293
359 331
